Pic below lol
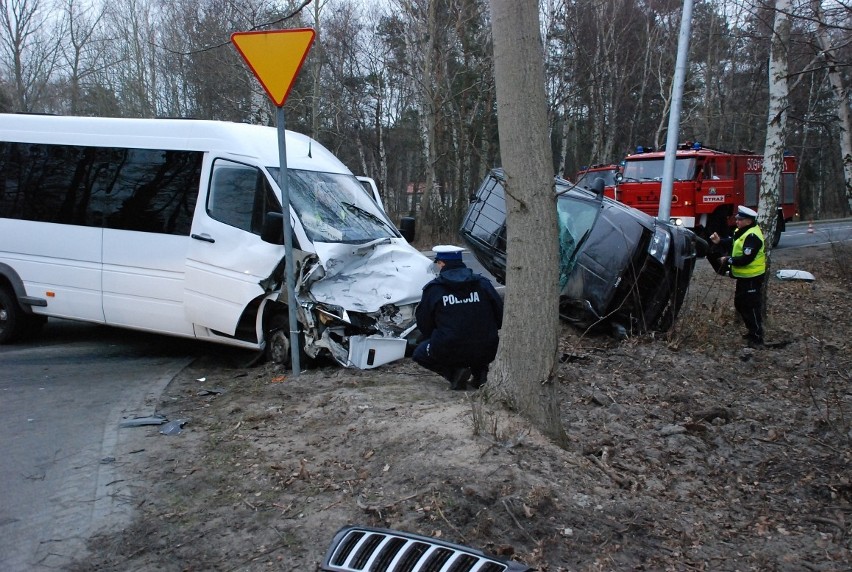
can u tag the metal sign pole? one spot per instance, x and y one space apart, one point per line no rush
665 210
289 267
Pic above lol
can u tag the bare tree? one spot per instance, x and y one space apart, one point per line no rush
524 371
396 89
422 43
841 94
318 60
135 75
29 49
84 52
447 45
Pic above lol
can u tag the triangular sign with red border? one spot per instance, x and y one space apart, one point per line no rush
275 57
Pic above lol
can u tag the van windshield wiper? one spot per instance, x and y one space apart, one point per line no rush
367 214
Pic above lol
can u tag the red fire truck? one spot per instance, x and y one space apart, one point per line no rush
587 176
708 186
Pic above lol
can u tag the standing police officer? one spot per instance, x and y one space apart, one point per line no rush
747 262
458 317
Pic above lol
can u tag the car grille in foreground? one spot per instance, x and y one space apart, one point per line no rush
357 549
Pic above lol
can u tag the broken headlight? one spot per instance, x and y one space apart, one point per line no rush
659 247
330 315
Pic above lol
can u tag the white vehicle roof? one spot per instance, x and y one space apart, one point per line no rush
254 141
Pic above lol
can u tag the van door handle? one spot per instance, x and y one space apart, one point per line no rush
205 237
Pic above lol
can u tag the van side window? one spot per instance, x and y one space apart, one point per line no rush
152 190
47 183
240 196
125 189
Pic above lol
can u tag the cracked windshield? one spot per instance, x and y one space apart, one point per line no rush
335 207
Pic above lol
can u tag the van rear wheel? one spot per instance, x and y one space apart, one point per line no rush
11 317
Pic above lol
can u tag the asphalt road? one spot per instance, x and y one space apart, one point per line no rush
802 234
61 400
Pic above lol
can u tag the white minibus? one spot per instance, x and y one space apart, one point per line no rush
175 226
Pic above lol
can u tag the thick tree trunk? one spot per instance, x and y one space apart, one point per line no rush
524 372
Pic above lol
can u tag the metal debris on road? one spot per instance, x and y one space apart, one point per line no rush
143 421
174 427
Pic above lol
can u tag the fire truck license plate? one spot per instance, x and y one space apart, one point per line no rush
714 199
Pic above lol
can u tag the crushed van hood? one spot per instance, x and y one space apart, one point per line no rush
365 277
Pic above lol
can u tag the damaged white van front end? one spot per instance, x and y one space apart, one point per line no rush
358 281
357 302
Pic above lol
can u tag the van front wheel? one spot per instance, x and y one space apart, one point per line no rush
278 346
11 317
278 339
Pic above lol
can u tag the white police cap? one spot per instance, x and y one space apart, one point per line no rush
745 212
447 252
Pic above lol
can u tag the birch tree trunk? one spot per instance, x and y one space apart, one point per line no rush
420 48
776 126
523 374
316 70
841 94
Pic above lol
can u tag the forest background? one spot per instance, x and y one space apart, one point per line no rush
403 90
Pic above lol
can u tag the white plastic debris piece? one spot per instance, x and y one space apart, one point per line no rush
788 274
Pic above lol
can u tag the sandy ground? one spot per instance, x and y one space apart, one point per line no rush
687 451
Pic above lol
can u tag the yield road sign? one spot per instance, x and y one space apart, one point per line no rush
275 57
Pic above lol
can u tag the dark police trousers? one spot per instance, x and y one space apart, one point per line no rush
747 301
424 357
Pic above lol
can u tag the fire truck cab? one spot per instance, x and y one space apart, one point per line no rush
708 186
587 176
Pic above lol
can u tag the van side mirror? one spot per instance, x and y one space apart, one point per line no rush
273 228
406 228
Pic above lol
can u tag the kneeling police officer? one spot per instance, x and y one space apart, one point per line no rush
458 317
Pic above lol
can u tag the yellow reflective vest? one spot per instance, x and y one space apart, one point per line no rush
757 266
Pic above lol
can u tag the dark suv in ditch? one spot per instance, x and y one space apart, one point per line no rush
621 270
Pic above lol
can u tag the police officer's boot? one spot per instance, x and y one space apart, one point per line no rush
458 378
480 376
